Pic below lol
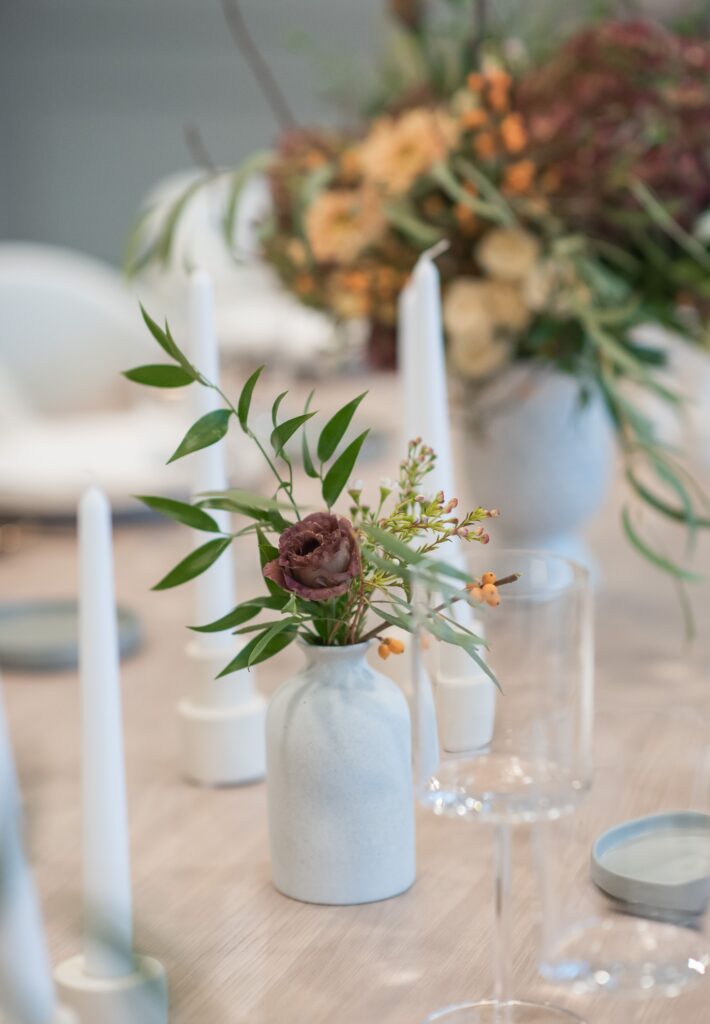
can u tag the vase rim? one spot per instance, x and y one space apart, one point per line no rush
333 650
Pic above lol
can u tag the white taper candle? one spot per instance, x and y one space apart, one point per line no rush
215 589
422 365
423 370
27 993
108 930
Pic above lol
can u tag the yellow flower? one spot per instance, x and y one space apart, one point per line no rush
513 132
341 223
475 81
499 83
475 118
350 165
485 145
466 219
508 253
519 177
398 150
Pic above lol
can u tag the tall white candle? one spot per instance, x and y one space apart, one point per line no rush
215 589
423 370
422 365
108 929
26 988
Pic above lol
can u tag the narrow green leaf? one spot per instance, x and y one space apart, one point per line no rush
652 556
261 515
163 339
397 569
195 563
181 512
443 631
285 431
246 657
402 216
671 511
333 432
267 553
276 624
244 403
340 472
398 549
258 162
160 375
275 408
207 431
308 466
243 497
242 613
273 632
164 244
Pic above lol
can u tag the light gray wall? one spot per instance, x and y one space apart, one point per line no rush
94 96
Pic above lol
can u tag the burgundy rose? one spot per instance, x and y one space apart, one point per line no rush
318 557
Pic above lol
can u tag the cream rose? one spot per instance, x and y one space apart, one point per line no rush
508 254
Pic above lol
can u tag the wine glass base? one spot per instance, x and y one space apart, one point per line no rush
628 955
513 1012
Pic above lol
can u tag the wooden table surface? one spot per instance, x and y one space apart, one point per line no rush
236 951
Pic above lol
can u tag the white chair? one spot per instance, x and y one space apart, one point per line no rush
69 325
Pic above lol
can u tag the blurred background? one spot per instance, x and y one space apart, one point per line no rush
94 98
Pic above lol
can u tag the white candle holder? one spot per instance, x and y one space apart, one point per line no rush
64 1016
137 998
222 723
465 700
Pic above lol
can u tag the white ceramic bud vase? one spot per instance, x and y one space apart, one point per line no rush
339 779
542 456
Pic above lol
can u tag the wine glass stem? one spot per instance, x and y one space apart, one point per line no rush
501 915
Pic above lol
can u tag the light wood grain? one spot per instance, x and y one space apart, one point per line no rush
236 951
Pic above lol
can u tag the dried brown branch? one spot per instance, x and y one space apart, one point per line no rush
263 74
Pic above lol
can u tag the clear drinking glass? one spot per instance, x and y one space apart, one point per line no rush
519 756
649 761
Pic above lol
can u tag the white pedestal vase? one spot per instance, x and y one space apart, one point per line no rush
534 450
339 779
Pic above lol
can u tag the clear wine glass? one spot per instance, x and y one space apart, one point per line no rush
518 756
652 763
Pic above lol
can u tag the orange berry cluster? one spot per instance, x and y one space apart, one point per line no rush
390 646
485 592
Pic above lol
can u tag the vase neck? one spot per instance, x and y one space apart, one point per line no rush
346 654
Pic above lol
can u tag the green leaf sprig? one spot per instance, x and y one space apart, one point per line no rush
396 537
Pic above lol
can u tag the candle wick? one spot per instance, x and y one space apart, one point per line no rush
442 246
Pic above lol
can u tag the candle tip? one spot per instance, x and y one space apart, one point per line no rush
94 500
200 279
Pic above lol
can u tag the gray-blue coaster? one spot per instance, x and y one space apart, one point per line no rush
659 864
43 636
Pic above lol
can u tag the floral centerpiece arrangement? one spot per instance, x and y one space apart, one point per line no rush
570 192
334 581
338 734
